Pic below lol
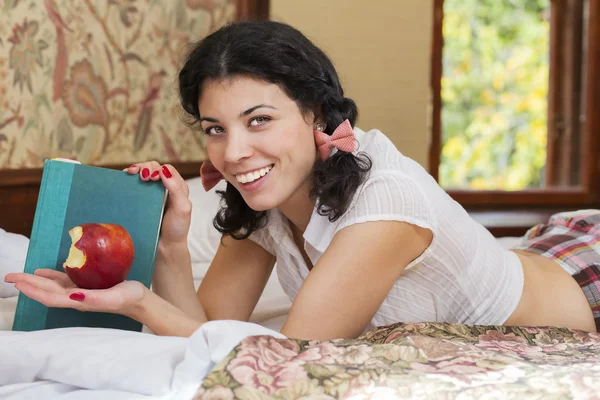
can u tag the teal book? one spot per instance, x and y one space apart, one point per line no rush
72 194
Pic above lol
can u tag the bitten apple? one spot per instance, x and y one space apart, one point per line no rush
100 257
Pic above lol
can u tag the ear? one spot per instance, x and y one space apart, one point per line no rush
314 116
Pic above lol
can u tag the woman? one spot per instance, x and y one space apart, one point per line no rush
362 235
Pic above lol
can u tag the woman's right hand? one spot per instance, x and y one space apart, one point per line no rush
178 213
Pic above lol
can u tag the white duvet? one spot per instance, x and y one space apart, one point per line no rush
84 363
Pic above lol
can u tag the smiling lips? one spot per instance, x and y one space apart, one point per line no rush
253 175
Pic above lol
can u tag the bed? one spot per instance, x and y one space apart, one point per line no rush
252 360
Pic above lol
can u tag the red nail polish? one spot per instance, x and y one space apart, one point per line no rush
154 174
77 296
145 173
166 171
132 166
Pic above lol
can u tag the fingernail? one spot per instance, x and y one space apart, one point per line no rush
155 174
132 166
166 171
145 173
77 296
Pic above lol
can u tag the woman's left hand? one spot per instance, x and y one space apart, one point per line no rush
54 289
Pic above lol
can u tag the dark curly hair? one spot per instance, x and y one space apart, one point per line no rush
277 53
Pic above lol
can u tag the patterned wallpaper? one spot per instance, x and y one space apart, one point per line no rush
95 80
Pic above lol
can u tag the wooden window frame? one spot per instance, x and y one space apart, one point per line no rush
511 212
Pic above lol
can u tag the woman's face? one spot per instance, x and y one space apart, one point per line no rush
258 138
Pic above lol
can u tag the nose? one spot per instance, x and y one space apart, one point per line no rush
238 146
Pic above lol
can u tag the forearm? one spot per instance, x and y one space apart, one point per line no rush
173 279
163 318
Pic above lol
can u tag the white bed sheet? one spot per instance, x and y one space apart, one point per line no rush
7 312
50 365
83 363
52 390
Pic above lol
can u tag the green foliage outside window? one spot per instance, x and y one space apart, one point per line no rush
494 93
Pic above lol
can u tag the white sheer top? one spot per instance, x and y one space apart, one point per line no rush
464 276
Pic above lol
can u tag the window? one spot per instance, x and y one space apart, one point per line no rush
516 102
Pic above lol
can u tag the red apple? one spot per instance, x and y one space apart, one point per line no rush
100 257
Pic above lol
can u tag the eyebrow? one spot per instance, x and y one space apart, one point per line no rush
242 114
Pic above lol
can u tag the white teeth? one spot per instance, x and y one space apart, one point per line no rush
254 175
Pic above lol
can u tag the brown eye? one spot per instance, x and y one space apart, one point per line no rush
259 121
213 130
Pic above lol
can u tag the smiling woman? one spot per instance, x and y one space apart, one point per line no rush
362 235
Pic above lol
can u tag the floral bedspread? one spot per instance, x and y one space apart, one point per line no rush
416 361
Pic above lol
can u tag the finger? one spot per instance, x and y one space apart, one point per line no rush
108 300
173 180
147 169
60 277
132 169
97 299
39 282
178 189
11 278
49 299
155 175
15 277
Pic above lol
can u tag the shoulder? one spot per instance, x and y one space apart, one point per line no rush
390 195
392 191
384 196
395 186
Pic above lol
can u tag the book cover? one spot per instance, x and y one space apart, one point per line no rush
72 194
